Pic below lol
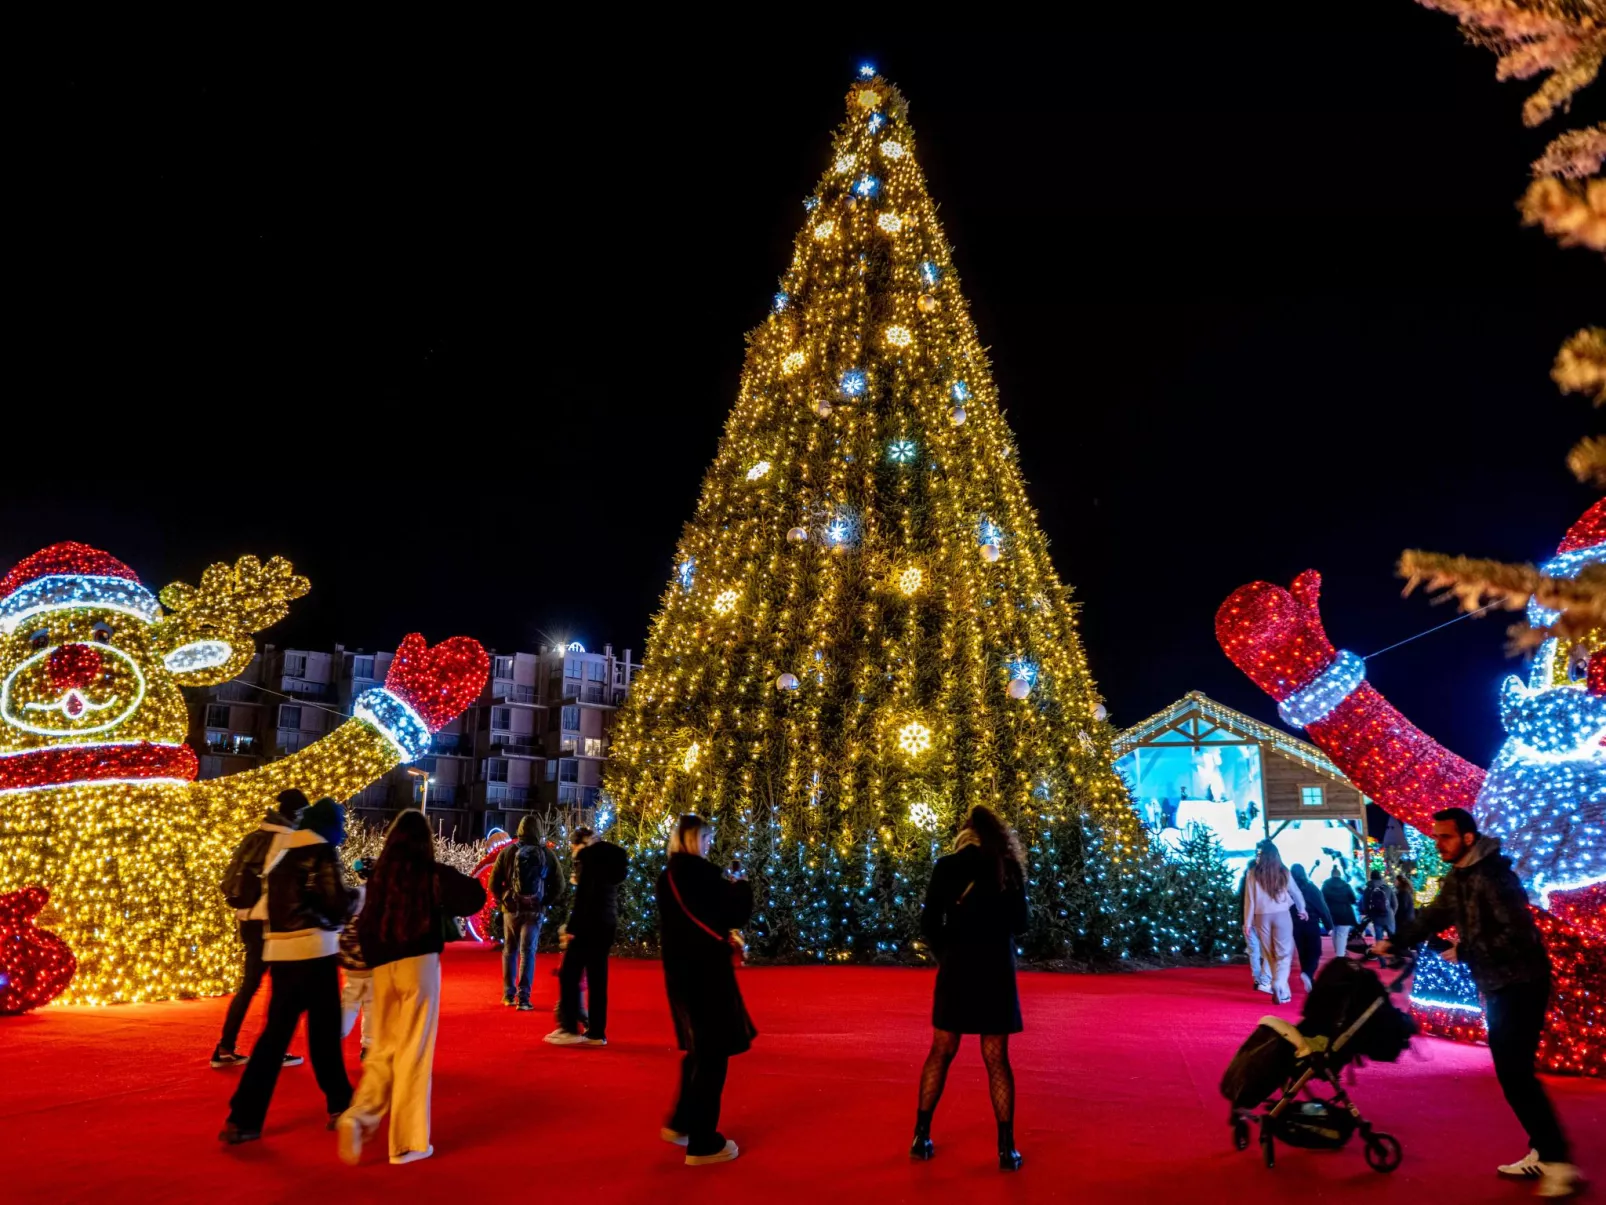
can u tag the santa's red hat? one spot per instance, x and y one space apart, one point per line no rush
70 574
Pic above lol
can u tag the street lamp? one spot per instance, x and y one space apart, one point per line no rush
423 803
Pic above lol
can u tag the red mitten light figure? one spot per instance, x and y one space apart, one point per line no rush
1544 795
35 964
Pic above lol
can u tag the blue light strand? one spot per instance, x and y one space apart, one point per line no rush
1331 687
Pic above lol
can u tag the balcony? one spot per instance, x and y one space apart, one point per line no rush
293 740
504 691
502 793
451 744
238 692
443 794
321 692
572 794
588 692
516 744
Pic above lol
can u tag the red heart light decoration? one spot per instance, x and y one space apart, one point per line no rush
35 965
438 682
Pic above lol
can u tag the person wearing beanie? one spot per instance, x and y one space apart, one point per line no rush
242 888
307 903
599 867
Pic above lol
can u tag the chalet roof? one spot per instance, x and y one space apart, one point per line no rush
1219 717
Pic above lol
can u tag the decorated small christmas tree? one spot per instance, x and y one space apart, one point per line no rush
863 634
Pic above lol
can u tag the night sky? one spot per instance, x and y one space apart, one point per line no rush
457 329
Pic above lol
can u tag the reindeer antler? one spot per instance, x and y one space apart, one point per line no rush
248 594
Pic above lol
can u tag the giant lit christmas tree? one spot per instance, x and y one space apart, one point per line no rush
863 634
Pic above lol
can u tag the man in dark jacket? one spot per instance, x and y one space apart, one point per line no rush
526 881
1483 899
308 902
599 868
1340 899
246 867
1378 904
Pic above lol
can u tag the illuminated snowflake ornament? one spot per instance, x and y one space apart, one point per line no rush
930 273
902 451
688 763
910 581
761 469
853 383
923 816
866 186
889 222
892 150
686 573
898 335
793 362
914 738
725 602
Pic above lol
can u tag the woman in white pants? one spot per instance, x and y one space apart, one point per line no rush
401 928
1270 894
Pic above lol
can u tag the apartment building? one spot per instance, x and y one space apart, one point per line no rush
535 741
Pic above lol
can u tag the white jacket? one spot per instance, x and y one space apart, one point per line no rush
1260 902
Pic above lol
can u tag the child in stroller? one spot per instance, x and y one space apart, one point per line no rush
1348 1016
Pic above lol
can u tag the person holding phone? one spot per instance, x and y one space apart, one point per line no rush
700 911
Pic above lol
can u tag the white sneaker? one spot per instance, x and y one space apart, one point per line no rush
730 1151
1304 981
562 1037
596 1041
1558 1180
1528 1167
1264 987
413 1156
1284 999
349 1136
673 1137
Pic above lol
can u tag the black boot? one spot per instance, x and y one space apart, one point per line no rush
1009 1159
922 1147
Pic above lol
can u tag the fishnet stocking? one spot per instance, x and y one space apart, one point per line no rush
944 1045
1000 1076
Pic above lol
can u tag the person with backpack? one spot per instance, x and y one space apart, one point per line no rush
599 868
1340 899
1377 907
525 880
412 901
700 910
307 903
242 890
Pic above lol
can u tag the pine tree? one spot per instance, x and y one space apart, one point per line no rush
863 634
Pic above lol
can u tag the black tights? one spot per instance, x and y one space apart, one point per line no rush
1000 1076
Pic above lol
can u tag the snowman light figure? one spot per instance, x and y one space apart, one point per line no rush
1544 795
98 798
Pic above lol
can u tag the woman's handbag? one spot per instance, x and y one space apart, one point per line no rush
733 939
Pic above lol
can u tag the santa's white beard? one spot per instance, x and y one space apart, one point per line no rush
1550 815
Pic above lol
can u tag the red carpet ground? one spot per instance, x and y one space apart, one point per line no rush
1117 1078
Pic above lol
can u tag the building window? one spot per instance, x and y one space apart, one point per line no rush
593 746
295 665
362 667
596 671
571 718
1312 797
289 717
571 667
568 770
502 667
551 771
502 719
567 744
495 769
217 716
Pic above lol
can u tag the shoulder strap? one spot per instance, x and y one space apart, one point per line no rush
689 916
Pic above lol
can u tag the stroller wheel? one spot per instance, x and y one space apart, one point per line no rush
1383 1152
1240 1134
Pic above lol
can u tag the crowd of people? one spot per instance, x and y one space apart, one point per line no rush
303 925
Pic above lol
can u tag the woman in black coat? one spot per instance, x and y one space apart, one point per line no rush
975 906
1308 931
699 911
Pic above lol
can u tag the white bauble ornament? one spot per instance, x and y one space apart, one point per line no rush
787 682
990 553
957 416
1019 688
1101 712
797 535
822 408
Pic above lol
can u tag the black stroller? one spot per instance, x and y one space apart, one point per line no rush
1347 1017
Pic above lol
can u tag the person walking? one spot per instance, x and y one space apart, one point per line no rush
1340 899
526 881
1257 964
1270 897
1309 928
975 905
242 888
411 900
307 903
1404 900
599 868
357 992
700 911
1497 939
1377 907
